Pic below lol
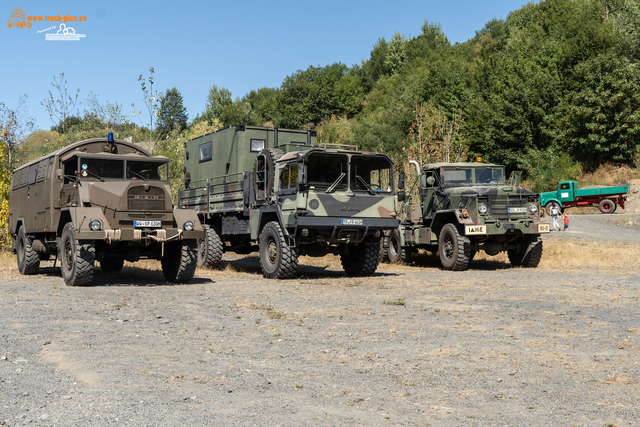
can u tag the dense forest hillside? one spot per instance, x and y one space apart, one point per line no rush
554 89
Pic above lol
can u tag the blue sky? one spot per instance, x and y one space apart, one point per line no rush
242 45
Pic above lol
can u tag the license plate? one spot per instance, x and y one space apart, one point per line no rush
475 229
543 228
351 222
146 224
517 210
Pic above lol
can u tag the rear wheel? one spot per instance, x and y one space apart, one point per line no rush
278 260
607 206
395 251
28 259
180 260
210 248
112 265
528 254
454 248
77 258
361 260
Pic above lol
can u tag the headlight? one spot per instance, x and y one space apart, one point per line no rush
482 209
95 225
533 208
188 226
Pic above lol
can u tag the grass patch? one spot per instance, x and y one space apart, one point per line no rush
399 301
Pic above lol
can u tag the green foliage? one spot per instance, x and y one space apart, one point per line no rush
172 114
306 97
62 105
150 100
5 180
38 144
264 104
546 168
15 124
218 100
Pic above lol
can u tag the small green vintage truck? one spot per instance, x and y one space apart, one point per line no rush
570 195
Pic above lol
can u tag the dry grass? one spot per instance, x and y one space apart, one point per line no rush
609 174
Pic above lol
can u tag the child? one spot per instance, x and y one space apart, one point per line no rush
566 223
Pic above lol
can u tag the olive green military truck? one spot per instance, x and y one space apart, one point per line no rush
276 192
100 200
465 208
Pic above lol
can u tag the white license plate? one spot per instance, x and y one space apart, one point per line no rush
146 224
517 210
543 228
351 222
475 229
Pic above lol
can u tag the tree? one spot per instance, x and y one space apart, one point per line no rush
150 99
218 100
62 106
109 115
16 124
172 114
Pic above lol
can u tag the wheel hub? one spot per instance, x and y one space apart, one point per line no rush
272 252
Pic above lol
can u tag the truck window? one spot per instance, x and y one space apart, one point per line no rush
152 171
33 171
42 170
15 180
490 176
205 152
564 187
289 176
94 168
23 177
325 170
455 177
372 172
256 145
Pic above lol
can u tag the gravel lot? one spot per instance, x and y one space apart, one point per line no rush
412 345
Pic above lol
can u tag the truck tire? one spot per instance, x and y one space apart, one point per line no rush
454 248
77 258
549 205
210 248
278 260
112 265
180 260
361 260
607 206
272 155
529 255
395 252
28 258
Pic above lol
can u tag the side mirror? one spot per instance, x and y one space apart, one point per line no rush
187 179
59 174
431 180
401 181
401 196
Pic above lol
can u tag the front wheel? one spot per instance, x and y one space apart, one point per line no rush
278 260
607 206
180 260
550 205
454 249
77 258
361 260
28 259
395 252
528 254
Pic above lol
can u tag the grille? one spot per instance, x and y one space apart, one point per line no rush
140 200
499 207
147 216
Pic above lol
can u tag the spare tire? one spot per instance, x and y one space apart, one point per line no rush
264 172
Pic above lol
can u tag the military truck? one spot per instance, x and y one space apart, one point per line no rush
102 200
276 192
464 208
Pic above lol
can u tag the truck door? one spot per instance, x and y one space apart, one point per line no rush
565 191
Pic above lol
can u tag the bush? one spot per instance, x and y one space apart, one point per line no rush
546 168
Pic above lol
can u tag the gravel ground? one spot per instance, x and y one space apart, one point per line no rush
414 346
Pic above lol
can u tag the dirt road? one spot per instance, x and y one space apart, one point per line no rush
412 345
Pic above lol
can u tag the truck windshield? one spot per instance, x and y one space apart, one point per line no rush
101 168
372 174
472 176
327 171
490 176
150 171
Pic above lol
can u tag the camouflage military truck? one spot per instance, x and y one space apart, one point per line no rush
274 191
100 199
465 208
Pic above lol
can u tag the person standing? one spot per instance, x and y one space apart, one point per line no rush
566 222
555 210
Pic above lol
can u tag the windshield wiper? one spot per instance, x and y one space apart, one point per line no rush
335 183
367 186
97 176
137 174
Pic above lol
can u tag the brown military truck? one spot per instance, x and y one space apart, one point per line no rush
100 199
